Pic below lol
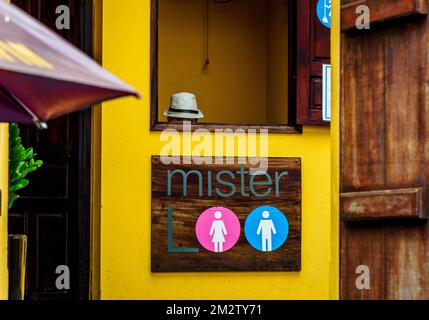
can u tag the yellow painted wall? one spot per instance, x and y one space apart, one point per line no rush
247 49
127 145
277 61
4 156
4 160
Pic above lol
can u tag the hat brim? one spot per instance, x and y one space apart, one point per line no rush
184 115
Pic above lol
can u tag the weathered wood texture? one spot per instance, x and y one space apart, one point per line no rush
409 203
186 210
380 10
54 210
385 146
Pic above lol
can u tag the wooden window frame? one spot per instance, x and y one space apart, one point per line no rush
290 128
308 66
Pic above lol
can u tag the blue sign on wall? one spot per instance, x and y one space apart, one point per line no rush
324 12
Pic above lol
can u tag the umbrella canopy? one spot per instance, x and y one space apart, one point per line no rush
42 76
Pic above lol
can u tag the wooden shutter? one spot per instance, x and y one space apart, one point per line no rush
384 150
312 51
380 10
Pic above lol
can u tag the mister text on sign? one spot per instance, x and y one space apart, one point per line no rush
221 217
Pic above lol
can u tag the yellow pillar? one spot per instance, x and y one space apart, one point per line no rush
4 151
4 156
335 150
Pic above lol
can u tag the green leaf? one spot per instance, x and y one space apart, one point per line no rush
22 183
20 167
12 198
21 162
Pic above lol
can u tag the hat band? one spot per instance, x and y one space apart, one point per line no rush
183 110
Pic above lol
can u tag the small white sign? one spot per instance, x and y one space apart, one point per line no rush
326 105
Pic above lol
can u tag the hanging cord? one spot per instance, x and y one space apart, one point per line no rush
207 49
207 30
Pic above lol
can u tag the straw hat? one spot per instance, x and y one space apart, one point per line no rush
183 105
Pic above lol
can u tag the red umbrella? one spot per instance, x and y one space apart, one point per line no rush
42 76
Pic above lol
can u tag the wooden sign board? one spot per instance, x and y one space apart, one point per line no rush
181 193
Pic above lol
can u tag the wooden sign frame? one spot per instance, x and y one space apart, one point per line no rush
175 210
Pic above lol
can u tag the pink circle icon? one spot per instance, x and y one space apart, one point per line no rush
218 229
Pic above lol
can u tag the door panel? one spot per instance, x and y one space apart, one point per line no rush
363 244
51 247
54 209
407 256
385 149
362 89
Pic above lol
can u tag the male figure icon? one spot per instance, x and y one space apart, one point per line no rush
326 10
266 227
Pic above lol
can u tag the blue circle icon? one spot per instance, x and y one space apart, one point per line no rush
324 12
266 228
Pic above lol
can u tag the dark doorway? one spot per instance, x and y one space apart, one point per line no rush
54 210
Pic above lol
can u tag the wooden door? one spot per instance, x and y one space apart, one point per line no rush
54 210
385 150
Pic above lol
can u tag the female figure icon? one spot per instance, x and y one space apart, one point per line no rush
218 232
218 229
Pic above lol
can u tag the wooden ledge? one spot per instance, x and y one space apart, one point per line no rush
411 203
